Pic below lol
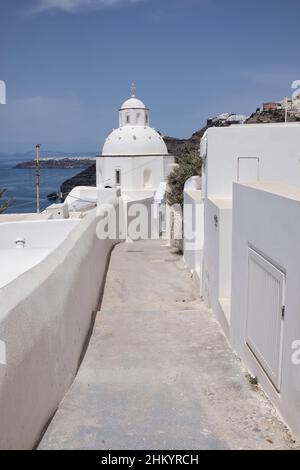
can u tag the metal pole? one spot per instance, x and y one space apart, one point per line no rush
37 178
286 109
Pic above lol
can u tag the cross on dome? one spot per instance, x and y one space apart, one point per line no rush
133 90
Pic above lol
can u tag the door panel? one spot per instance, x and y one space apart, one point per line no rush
266 290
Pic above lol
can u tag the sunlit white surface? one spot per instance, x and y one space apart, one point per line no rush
41 238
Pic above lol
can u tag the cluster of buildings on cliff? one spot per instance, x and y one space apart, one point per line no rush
291 104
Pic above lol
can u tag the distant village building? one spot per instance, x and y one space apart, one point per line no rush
271 106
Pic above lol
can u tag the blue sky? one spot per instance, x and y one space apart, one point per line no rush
68 64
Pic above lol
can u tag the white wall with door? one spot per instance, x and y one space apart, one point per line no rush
253 152
265 295
239 153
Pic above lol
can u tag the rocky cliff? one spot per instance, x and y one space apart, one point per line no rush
86 177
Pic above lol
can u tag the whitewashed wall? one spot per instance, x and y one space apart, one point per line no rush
238 153
267 217
45 316
216 276
133 171
37 233
193 224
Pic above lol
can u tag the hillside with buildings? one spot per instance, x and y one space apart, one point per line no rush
272 115
286 110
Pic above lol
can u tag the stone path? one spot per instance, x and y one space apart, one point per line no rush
158 372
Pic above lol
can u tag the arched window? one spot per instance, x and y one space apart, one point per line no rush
147 179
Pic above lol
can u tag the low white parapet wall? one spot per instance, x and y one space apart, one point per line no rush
42 234
21 217
265 304
45 318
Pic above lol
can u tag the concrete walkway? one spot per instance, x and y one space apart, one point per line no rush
158 372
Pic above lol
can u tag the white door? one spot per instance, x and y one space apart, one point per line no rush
265 314
248 169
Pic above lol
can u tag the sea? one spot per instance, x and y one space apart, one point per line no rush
20 184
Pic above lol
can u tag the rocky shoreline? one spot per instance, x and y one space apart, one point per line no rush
58 163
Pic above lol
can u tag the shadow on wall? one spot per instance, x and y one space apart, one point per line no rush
44 322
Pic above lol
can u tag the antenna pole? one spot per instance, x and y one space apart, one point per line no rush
37 177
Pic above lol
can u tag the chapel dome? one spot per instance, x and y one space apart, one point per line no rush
133 103
134 140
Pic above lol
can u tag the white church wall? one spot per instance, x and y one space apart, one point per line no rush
249 153
106 171
266 218
45 318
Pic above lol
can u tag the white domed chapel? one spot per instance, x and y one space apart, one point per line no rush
134 156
